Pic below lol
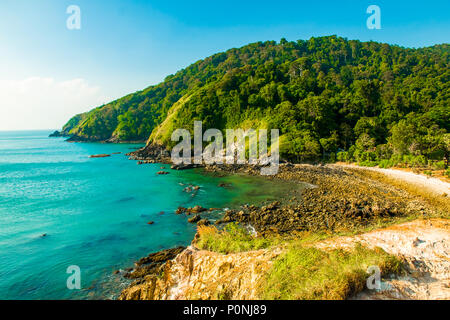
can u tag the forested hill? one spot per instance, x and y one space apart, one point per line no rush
324 94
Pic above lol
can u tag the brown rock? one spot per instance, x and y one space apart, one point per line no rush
203 222
197 209
180 210
153 263
194 219
100 156
194 274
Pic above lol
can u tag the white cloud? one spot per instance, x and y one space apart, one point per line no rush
44 103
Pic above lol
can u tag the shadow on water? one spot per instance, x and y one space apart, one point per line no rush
126 199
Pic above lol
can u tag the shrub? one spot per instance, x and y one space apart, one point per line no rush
343 156
368 163
407 159
332 157
386 163
396 158
439 165
383 151
365 156
418 161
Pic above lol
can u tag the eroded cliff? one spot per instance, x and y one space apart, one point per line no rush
201 274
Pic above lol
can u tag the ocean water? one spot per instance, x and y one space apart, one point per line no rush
94 212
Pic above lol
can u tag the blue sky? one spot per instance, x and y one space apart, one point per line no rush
124 46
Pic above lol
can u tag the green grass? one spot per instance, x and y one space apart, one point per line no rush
309 273
233 238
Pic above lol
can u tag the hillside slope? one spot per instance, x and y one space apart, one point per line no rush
324 94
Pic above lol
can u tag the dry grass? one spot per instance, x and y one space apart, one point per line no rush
306 273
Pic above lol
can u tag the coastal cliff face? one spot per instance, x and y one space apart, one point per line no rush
423 244
200 274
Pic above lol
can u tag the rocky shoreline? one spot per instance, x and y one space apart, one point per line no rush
337 200
322 206
77 138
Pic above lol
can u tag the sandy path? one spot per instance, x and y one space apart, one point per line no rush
424 245
432 184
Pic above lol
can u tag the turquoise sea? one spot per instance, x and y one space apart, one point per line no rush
94 212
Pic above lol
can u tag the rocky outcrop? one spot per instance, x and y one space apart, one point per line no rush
55 134
151 153
197 209
200 274
203 222
152 264
194 219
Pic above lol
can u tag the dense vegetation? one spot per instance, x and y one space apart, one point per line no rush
330 97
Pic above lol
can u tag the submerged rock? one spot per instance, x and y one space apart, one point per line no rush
99 156
224 185
185 166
